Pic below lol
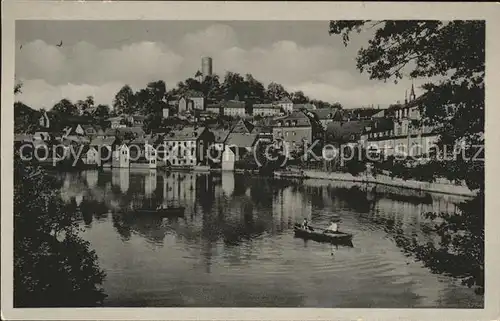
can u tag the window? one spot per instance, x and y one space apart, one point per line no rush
293 133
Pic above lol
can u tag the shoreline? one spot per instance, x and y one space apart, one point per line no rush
381 179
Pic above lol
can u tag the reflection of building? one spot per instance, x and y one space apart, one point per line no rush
179 187
228 183
290 206
92 177
121 177
150 183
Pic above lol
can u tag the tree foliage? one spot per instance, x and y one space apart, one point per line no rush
53 266
453 53
124 100
65 108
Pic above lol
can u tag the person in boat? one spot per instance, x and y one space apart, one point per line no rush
305 224
333 228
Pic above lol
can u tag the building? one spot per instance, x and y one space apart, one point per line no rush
121 156
215 109
237 146
206 66
188 146
343 132
166 112
136 120
265 110
104 146
286 104
191 101
327 115
233 108
404 135
117 122
142 153
220 138
294 129
90 156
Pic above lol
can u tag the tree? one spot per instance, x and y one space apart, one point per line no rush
153 98
298 97
101 113
198 75
276 92
65 108
211 88
454 51
234 86
124 101
53 266
255 89
337 105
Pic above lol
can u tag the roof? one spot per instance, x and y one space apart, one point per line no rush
325 113
242 126
99 141
138 117
117 118
299 117
22 138
194 94
285 100
86 127
241 140
304 106
110 132
186 133
221 135
135 130
233 104
360 112
266 106
380 125
85 149
345 130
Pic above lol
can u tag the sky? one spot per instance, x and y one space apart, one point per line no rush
98 57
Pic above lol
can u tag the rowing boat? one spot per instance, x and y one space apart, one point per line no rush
321 235
165 211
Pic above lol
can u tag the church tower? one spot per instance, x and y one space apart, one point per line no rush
412 93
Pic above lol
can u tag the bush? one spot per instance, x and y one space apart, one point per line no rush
53 266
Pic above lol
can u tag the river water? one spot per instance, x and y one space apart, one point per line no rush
235 246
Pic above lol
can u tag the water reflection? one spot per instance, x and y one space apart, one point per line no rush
237 236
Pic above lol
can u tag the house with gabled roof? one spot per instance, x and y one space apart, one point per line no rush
233 108
265 110
327 115
188 146
192 100
286 104
294 129
242 126
237 146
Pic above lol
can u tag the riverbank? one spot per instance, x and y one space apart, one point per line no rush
441 186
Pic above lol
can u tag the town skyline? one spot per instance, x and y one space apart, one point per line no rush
89 59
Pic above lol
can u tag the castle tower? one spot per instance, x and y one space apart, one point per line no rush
206 66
